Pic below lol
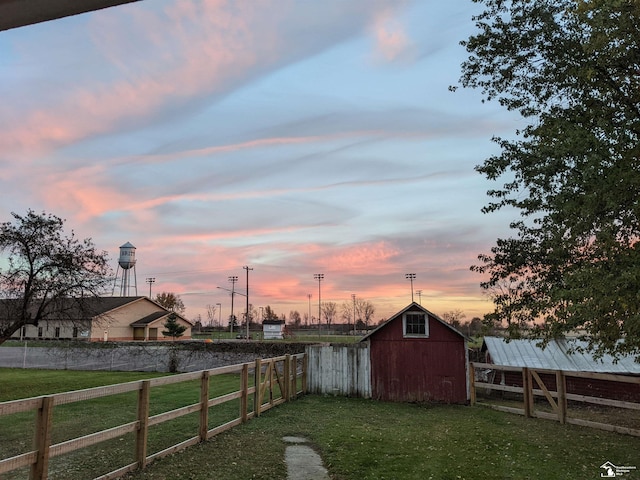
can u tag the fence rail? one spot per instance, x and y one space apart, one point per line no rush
531 384
275 381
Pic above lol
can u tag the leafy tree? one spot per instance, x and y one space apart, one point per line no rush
475 326
171 301
572 71
46 273
173 328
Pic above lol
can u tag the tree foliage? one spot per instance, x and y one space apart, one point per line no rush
173 328
171 301
572 70
48 274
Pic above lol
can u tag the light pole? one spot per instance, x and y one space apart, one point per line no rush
150 281
219 314
262 314
233 279
319 277
309 316
246 267
419 292
410 276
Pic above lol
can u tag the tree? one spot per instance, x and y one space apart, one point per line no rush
173 328
269 314
46 273
365 311
197 324
329 311
454 318
295 320
171 301
212 315
572 71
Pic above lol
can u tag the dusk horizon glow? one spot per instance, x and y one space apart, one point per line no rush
289 137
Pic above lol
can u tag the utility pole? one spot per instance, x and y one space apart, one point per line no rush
319 277
419 292
150 281
233 279
410 276
246 267
309 316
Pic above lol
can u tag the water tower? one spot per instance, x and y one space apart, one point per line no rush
126 263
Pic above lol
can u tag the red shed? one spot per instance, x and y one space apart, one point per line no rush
417 357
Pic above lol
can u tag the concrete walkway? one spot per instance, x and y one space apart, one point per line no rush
303 463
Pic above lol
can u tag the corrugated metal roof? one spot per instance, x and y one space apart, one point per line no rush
556 356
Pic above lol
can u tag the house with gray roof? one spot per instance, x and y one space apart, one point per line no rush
106 319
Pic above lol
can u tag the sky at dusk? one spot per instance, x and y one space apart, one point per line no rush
293 137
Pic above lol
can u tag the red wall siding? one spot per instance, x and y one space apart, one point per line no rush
418 369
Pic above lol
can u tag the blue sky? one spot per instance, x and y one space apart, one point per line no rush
296 137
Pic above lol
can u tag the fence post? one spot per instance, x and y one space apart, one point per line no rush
143 424
243 393
526 389
561 388
472 384
271 370
294 377
257 397
204 406
287 378
42 441
305 369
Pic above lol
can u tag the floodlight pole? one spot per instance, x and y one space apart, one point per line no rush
319 277
150 281
410 276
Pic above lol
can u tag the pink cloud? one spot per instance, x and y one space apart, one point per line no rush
392 42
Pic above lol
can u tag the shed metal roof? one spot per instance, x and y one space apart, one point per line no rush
556 356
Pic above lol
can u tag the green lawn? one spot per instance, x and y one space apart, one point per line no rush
358 439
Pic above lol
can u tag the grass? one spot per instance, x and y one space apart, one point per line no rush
89 416
358 439
364 439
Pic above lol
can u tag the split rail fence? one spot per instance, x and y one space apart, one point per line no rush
275 381
530 383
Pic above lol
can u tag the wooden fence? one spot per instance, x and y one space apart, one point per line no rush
531 384
275 380
339 370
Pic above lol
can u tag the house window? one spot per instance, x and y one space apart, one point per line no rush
415 324
75 332
39 331
57 332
